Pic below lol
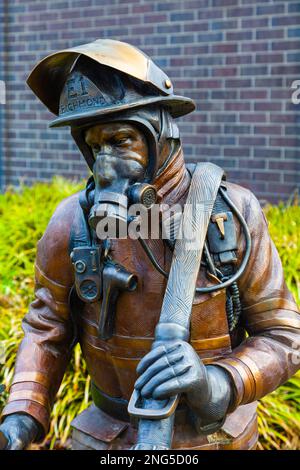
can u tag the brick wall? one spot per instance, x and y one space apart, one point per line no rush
235 58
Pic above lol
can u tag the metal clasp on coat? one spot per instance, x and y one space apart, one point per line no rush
115 279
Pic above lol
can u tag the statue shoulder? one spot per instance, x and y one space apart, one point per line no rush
249 206
243 198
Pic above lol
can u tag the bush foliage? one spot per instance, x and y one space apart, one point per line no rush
24 215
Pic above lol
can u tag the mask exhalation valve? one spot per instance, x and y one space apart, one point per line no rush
142 193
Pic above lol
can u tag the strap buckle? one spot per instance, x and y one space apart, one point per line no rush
161 413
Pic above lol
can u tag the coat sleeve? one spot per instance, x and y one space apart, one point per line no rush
270 354
48 330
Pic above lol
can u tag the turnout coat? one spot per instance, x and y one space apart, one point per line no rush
259 355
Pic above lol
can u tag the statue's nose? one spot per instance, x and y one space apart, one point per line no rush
104 169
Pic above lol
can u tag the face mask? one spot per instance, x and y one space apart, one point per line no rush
118 184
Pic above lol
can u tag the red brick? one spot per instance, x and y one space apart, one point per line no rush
238 83
268 58
252 141
255 22
266 176
225 3
267 153
283 190
70 14
270 34
238 59
206 13
252 163
182 61
254 94
195 4
267 106
284 94
282 165
239 36
291 178
254 46
224 48
270 9
253 117
195 26
283 118
155 18
285 45
224 72
195 50
286 70
195 139
269 82
237 106
212 83
284 142
268 130
208 129
243 11
146 8
142 30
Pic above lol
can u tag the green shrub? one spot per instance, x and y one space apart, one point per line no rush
24 215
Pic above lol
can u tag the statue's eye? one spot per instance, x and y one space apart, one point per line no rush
121 141
96 148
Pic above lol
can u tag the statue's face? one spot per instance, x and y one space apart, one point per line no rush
120 151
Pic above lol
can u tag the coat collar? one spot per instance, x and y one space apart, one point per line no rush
172 184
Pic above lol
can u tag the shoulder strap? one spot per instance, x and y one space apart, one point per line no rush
223 246
174 321
222 243
179 295
80 233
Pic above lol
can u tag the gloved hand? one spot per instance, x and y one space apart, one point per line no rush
20 430
176 368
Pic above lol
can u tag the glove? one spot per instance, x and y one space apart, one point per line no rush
175 368
20 430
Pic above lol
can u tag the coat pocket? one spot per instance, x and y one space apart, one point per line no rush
237 422
95 430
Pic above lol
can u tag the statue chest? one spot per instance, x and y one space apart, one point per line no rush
112 363
137 312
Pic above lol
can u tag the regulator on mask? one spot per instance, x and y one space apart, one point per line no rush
108 216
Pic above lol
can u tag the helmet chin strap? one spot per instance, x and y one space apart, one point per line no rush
169 134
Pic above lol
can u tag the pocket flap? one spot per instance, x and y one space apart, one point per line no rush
98 424
236 422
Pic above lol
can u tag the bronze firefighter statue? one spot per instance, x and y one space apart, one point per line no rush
182 331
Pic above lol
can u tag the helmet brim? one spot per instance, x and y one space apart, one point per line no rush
176 105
